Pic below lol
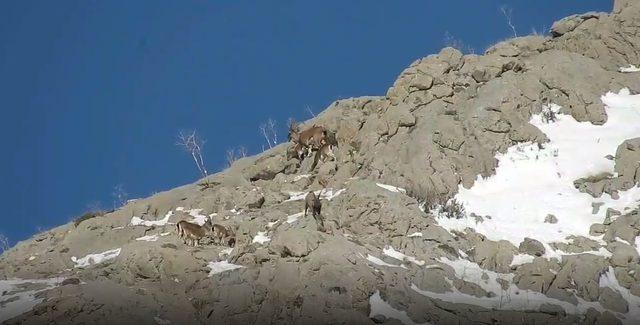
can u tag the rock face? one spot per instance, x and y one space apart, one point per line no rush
384 258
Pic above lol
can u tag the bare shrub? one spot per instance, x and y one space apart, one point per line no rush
192 143
507 12
308 109
207 184
4 243
548 115
269 132
119 197
234 154
451 41
440 205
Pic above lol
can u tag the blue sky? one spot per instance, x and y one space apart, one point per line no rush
93 93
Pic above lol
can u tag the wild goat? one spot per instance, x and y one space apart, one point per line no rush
221 233
325 152
297 151
191 232
311 201
309 138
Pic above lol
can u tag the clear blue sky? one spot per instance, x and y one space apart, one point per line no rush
93 93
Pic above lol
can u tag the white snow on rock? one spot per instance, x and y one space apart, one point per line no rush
93 259
381 307
17 296
608 279
630 68
271 224
520 259
511 298
380 262
638 244
198 218
261 238
299 177
221 266
392 188
136 221
327 194
415 234
152 238
531 183
225 251
149 238
389 251
294 217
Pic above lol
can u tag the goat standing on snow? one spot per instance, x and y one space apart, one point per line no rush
311 201
191 233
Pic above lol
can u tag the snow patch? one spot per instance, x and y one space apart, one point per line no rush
381 307
520 259
380 262
17 296
327 194
221 266
608 279
299 177
415 234
261 238
225 251
532 182
135 221
628 69
392 188
93 259
510 298
294 217
389 251
271 224
149 238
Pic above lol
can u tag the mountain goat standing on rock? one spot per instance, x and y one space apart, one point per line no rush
221 233
311 201
192 233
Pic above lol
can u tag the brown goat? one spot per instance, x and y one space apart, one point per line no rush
191 233
311 201
325 152
309 138
221 233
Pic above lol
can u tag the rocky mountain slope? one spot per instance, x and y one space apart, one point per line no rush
496 188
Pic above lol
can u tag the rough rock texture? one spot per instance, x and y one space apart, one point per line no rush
440 125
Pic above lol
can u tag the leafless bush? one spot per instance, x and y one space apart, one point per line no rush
234 154
207 184
451 41
192 143
308 109
269 131
440 205
4 243
507 12
548 115
119 196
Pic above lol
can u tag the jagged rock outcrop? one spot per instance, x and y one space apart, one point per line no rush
439 126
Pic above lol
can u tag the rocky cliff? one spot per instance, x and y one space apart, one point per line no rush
429 208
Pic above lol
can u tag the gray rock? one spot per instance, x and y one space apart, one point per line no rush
532 247
550 218
612 300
